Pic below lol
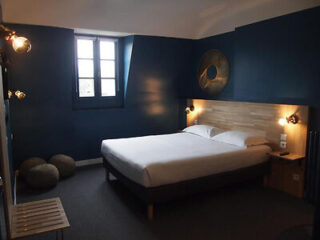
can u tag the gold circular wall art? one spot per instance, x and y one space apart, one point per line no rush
213 72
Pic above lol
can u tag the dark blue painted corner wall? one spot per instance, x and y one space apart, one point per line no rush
273 61
45 123
283 57
158 65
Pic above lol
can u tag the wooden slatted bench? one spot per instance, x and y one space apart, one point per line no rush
32 218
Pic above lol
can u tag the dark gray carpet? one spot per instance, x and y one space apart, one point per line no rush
98 210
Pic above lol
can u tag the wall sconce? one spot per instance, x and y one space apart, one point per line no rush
189 109
293 118
20 95
19 44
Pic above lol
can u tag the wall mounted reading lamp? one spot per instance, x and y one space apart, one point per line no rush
189 109
19 45
20 95
293 118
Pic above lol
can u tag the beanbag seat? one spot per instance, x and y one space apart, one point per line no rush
65 164
43 176
28 164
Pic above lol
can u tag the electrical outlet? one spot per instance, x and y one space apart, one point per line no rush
283 144
283 137
296 177
195 122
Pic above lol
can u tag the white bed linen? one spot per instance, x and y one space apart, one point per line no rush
163 159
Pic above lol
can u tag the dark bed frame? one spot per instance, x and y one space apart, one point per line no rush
152 195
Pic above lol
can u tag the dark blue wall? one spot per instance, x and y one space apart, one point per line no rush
45 123
273 61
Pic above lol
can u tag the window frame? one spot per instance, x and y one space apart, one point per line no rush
98 101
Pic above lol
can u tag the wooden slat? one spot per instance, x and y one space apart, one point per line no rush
35 203
38 217
38 226
27 215
38 231
258 118
37 221
37 209
30 208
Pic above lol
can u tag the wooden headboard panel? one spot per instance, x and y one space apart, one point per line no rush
259 118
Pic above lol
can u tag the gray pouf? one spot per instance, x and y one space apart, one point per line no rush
28 164
43 176
65 164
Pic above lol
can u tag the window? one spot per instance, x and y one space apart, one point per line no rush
97 77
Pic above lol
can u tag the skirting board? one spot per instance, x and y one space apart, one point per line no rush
86 162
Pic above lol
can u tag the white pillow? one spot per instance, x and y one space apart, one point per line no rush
239 138
203 130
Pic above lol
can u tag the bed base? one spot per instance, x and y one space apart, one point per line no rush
150 206
107 175
168 192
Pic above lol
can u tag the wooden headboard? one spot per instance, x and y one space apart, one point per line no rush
259 118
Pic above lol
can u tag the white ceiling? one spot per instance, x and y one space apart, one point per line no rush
192 19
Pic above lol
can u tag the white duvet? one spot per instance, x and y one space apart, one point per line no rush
163 159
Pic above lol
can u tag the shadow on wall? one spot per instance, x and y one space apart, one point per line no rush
153 96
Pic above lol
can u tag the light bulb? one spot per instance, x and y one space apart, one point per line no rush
282 121
21 44
10 93
20 95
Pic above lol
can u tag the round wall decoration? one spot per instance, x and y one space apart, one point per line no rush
213 71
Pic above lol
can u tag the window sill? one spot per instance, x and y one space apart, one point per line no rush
97 103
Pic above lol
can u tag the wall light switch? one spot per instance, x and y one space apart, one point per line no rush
296 177
283 137
195 122
283 144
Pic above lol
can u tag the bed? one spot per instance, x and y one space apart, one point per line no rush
162 167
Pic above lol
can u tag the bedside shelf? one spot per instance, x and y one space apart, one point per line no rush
289 157
287 173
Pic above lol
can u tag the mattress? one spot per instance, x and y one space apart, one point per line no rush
164 159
